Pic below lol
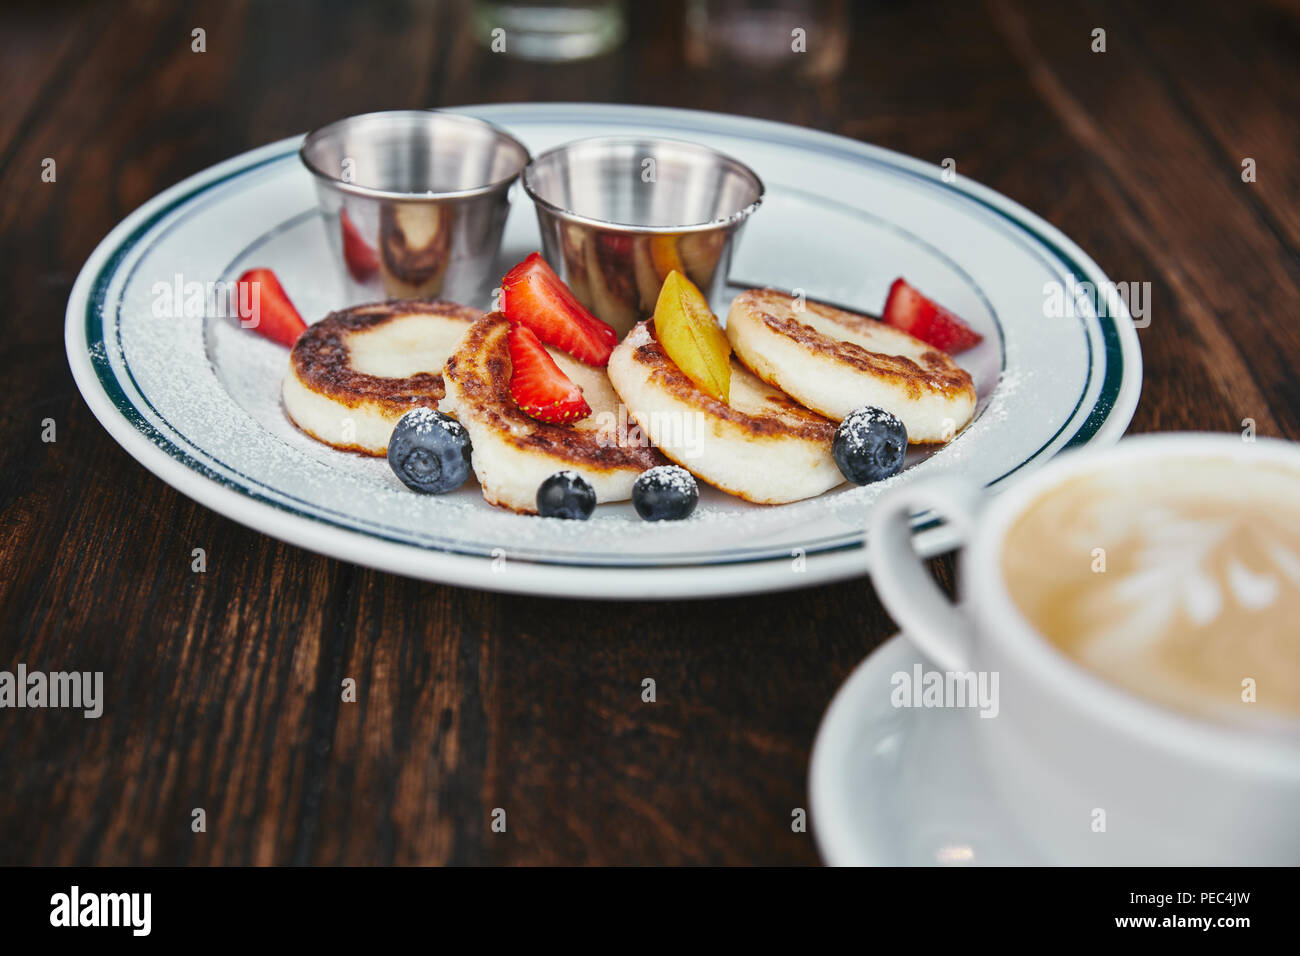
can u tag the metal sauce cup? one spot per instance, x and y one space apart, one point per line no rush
618 214
415 200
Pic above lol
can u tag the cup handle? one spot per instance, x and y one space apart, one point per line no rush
901 578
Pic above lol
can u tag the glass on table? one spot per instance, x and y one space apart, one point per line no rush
549 30
808 37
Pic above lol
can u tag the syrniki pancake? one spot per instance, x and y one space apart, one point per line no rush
514 453
835 361
354 373
760 445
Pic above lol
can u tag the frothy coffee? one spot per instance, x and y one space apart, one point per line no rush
1177 579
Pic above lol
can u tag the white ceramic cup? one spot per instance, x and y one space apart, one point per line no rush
1066 745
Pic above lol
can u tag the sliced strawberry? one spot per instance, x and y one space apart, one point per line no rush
926 320
361 259
532 294
261 304
537 384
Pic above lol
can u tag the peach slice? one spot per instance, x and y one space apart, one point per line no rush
691 336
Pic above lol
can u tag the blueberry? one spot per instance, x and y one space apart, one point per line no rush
869 445
566 494
666 493
429 451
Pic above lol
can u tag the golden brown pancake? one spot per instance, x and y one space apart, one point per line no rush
513 452
354 373
834 361
759 445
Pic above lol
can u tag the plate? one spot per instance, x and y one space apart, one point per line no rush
896 786
195 399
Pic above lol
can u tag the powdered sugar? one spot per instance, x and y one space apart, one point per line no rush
674 477
855 430
424 420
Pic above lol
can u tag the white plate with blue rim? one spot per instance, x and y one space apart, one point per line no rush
196 399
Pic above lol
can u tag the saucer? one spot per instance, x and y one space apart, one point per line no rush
901 786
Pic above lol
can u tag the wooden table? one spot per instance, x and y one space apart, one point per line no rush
224 687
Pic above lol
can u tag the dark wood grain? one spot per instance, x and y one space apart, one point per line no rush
224 687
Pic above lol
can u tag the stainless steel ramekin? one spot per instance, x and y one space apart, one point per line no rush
416 199
618 213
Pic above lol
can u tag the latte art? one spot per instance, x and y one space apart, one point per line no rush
1177 579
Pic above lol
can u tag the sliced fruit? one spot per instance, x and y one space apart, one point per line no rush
926 320
533 295
537 384
262 305
362 261
691 336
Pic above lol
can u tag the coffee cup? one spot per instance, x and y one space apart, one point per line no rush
1138 605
